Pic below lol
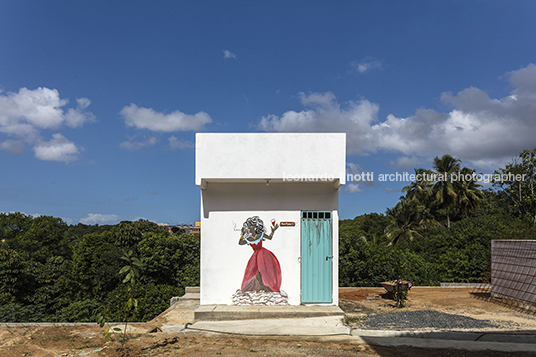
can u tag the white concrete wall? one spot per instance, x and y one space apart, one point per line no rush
222 269
225 207
232 170
275 156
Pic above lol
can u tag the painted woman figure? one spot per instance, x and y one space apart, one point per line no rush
263 271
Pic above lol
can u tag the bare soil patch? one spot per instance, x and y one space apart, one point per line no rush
68 341
87 340
450 300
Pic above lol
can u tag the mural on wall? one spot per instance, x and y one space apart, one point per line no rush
261 284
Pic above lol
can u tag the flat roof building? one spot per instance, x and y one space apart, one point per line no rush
269 216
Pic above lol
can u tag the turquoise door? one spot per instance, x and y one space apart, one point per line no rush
316 257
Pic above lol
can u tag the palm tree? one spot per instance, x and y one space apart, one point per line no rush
421 190
468 194
375 240
443 190
404 221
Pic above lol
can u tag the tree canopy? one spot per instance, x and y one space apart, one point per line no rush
519 194
53 272
439 231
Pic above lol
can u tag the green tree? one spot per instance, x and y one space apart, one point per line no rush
152 300
12 277
129 234
41 288
75 233
421 191
170 259
468 193
93 271
404 221
38 237
375 240
81 311
519 194
12 225
443 189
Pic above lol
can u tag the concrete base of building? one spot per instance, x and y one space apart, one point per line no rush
252 312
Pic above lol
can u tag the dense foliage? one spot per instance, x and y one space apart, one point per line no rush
520 195
440 254
440 231
53 272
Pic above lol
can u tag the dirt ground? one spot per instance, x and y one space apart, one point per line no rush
458 301
88 341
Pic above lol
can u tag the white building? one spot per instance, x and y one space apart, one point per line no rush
289 183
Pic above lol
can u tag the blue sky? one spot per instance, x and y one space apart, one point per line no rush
100 100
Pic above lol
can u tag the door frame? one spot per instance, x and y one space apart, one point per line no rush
321 260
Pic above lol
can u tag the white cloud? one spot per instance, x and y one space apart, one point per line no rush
366 65
97 218
324 100
57 149
228 54
356 177
76 117
356 173
352 188
147 118
25 114
478 128
13 146
67 220
405 162
179 144
352 168
326 115
40 108
523 79
34 215
136 145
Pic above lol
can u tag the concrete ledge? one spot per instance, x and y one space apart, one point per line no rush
190 293
312 326
251 312
464 285
192 290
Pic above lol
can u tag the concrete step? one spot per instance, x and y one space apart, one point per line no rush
192 290
311 326
190 293
251 312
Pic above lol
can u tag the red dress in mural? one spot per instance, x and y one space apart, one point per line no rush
264 263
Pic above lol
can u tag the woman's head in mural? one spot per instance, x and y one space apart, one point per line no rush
253 226
253 229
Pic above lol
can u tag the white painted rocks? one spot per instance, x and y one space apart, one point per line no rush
260 298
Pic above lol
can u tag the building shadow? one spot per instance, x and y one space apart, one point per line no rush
454 344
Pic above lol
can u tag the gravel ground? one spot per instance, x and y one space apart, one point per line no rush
425 319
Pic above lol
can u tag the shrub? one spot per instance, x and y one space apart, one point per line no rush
81 311
24 313
152 301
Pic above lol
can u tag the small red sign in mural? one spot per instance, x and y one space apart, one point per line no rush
287 224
